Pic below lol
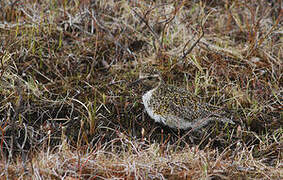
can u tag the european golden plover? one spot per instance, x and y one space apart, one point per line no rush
176 107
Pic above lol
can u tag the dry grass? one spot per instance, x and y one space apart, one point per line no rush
68 111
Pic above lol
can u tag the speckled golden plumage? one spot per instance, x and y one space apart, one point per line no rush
178 108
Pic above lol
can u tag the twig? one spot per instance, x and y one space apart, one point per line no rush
185 53
148 26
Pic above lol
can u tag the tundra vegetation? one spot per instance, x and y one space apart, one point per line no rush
69 109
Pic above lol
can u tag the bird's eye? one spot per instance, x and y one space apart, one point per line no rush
150 78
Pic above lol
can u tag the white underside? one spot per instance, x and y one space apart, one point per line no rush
169 121
173 121
146 98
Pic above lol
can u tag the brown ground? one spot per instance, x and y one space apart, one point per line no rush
68 108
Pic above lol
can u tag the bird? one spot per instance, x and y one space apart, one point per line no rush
175 106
